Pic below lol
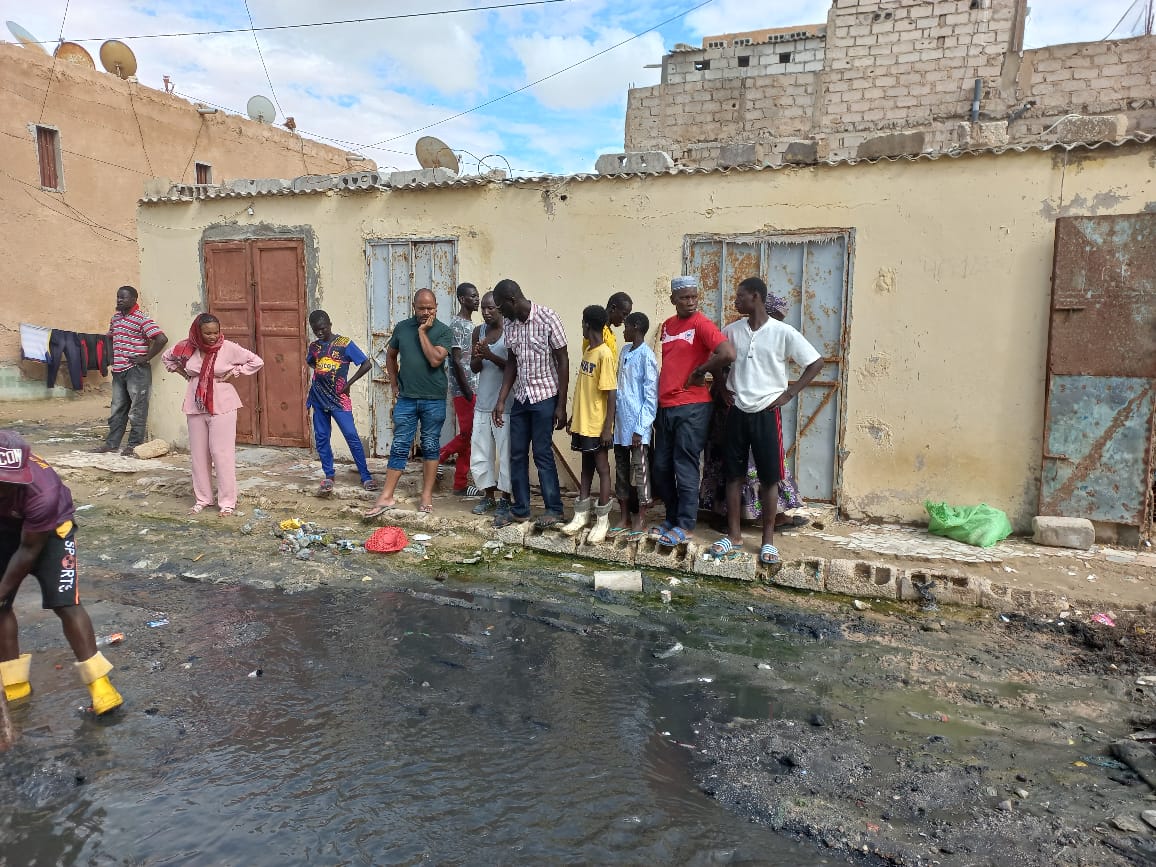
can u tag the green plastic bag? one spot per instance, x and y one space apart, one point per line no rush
979 525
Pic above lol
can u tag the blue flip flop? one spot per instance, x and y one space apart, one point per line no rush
672 538
769 555
725 549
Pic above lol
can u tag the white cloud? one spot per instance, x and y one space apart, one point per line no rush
602 81
733 16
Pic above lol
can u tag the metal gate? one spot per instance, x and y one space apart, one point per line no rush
812 271
1097 460
257 289
396 270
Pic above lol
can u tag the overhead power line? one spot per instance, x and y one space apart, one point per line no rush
1135 3
593 56
430 14
261 57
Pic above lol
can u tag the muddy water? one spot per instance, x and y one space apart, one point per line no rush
383 729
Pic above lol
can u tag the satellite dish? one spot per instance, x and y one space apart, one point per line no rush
24 37
261 109
433 153
74 53
117 58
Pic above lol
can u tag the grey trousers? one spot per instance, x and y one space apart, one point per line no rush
130 406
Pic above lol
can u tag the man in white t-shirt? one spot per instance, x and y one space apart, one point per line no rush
758 384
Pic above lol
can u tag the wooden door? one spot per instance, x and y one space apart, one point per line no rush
257 289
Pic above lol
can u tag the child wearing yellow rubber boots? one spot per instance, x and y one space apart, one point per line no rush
38 537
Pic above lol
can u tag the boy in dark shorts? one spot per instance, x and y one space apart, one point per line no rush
592 426
38 537
637 404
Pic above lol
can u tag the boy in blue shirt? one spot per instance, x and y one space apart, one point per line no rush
637 405
330 356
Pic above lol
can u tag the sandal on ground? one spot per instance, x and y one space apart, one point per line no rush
614 532
370 485
325 489
378 511
227 512
633 535
548 520
505 519
672 538
769 555
793 522
660 530
103 450
724 548
426 508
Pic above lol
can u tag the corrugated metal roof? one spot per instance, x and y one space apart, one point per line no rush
483 180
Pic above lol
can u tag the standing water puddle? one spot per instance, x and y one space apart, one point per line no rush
384 729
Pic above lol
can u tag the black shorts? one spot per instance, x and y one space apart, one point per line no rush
581 443
758 435
55 569
632 474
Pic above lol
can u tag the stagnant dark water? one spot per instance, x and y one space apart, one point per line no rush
384 729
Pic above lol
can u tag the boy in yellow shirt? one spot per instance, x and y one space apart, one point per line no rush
592 425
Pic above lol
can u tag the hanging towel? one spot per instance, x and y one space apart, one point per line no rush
34 342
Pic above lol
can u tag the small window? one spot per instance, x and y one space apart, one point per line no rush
744 60
48 154
784 57
204 173
701 65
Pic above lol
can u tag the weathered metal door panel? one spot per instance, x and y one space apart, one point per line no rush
1097 460
811 270
227 282
396 270
1097 449
279 294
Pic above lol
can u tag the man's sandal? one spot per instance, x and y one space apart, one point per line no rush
672 538
769 555
725 549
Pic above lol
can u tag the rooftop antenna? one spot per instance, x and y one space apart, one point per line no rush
261 109
74 53
24 37
433 153
117 58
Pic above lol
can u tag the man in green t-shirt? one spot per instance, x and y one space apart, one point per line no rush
415 362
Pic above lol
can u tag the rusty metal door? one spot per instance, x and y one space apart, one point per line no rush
1098 428
396 269
257 289
812 271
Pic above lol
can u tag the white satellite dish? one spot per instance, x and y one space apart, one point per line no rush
24 37
433 153
261 109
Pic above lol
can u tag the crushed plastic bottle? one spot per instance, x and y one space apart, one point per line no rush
112 638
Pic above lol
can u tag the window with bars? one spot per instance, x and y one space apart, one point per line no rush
48 155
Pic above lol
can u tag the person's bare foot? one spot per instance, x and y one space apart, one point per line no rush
379 508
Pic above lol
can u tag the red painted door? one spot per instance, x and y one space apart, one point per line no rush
257 289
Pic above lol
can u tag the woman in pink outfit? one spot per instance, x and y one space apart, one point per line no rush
210 363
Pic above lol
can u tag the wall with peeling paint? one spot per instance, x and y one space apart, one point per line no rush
949 296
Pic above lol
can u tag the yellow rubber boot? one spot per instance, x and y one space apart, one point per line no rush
94 673
15 675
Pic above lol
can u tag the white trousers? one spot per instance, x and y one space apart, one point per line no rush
490 452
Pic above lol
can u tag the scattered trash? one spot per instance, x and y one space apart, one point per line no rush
982 525
198 557
1079 764
247 530
575 576
414 548
1146 680
706 680
676 649
1104 619
160 621
387 540
764 666
470 561
346 545
509 555
577 566
83 508
1091 577
492 545
186 665
113 638
1005 618
859 605
366 577
665 595
290 524
1011 570
260 514
672 581
256 672
422 537
304 554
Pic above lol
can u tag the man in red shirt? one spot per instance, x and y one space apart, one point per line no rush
38 537
692 347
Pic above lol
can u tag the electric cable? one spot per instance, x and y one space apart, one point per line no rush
1121 21
261 57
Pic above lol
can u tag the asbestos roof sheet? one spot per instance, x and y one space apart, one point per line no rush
483 181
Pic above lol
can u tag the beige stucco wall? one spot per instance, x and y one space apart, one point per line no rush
949 295
65 253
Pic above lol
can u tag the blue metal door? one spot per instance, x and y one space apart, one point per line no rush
396 270
1097 460
812 271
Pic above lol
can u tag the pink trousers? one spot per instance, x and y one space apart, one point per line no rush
213 445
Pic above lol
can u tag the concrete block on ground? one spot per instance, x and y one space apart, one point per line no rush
513 534
808 574
151 449
741 568
996 596
857 578
616 550
1091 128
625 580
948 588
678 559
1079 533
550 541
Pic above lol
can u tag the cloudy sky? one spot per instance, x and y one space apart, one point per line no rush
376 87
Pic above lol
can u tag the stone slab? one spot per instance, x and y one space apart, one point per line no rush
625 580
1078 533
741 568
551 542
1109 127
616 550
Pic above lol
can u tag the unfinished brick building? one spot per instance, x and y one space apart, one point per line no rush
889 78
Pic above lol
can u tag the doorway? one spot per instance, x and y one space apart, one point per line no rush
257 289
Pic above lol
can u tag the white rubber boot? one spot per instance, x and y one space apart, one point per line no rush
581 518
601 524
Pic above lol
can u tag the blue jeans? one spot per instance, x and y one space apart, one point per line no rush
407 412
680 436
130 406
322 428
533 423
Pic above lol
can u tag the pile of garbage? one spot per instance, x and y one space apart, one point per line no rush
301 538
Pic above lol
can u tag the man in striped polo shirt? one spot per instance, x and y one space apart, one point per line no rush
136 340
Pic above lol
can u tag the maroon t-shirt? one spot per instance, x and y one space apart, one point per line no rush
38 507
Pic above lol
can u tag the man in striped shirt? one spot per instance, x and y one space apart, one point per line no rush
136 340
